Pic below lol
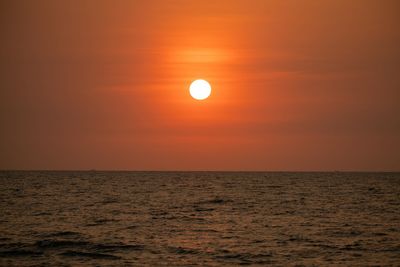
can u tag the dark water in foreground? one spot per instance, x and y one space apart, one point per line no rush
199 218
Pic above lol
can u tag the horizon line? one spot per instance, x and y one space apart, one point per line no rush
211 170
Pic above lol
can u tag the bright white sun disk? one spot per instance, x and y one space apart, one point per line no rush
200 89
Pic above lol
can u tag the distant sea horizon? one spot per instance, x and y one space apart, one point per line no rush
200 170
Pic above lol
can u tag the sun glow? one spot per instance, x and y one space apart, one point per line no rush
200 89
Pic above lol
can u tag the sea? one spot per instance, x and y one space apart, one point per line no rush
111 218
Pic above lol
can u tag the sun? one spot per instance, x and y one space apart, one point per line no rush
200 89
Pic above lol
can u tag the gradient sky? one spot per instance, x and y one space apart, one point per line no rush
297 85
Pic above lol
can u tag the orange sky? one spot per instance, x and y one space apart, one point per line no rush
297 85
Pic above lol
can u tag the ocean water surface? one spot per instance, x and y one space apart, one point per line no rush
98 218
